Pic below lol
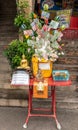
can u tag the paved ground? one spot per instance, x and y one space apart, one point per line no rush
13 118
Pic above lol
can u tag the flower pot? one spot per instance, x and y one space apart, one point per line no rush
44 65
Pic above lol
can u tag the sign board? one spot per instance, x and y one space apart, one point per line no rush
64 17
44 66
20 77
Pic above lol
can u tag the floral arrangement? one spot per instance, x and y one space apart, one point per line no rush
44 36
40 37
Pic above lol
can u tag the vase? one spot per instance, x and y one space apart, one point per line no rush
44 65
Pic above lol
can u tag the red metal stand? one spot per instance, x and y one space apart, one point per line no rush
53 85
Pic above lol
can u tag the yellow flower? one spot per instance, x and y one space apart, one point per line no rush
43 60
35 16
62 44
27 36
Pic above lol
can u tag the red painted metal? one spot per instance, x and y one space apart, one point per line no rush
72 31
53 85
74 22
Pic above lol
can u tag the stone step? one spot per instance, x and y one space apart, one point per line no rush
8 34
9 38
5 78
8 13
19 97
13 93
70 42
4 24
8 28
68 60
5 18
5 85
70 34
73 52
3 60
71 68
7 22
24 103
68 104
14 102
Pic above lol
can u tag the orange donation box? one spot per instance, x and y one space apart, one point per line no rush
40 89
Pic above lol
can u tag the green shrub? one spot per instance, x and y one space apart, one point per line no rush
15 50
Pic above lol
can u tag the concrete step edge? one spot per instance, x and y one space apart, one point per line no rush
24 103
13 102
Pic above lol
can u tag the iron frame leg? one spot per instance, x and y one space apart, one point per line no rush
29 106
53 105
53 92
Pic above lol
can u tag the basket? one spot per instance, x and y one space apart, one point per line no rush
60 75
44 65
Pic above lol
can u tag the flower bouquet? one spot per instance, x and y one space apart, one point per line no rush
44 37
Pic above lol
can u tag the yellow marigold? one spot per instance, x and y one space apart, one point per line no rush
27 36
35 16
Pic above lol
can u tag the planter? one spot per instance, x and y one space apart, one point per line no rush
44 65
